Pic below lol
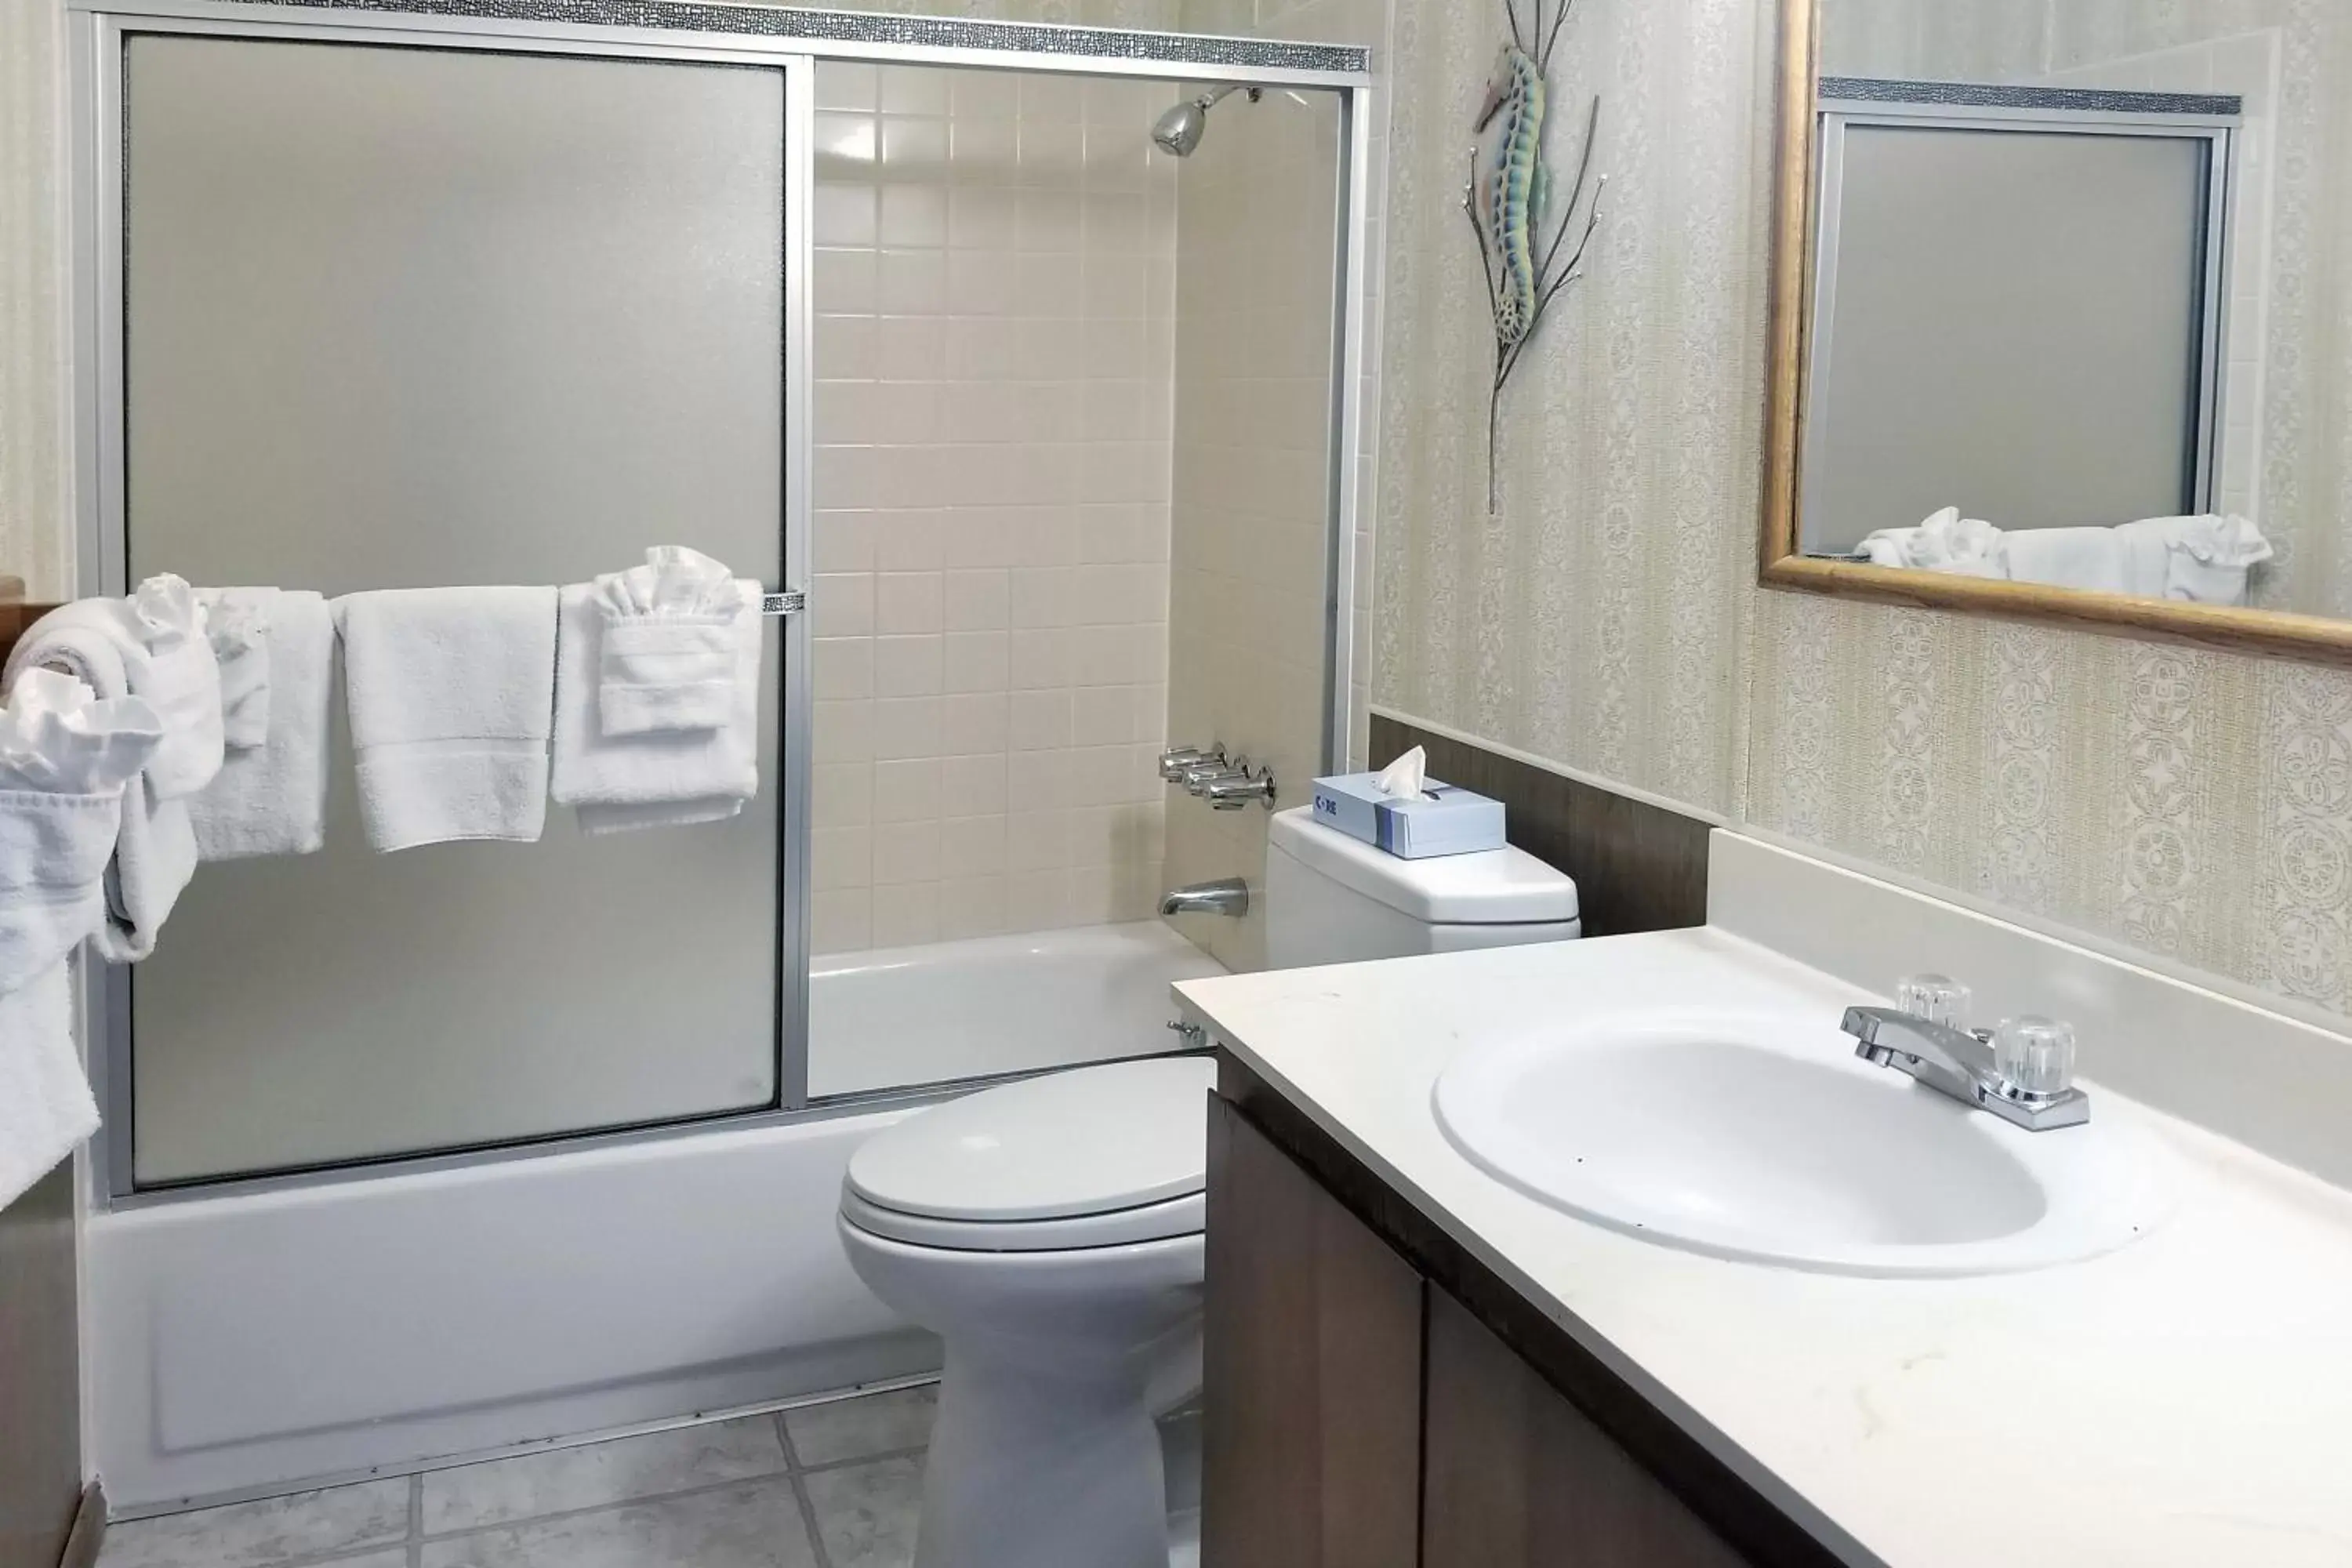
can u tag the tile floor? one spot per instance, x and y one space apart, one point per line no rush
829 1485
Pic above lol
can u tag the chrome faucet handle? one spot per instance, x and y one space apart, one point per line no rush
1231 795
1198 777
1176 759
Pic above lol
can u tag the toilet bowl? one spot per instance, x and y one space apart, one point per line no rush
1050 1232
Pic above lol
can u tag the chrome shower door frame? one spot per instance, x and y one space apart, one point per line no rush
791 42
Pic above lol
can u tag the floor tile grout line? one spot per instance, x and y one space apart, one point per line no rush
809 1524
415 1537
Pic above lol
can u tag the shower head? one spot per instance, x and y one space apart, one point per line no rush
1180 129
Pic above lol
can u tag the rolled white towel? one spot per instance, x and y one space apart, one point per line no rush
1945 542
451 691
271 799
663 778
156 848
158 634
46 1108
65 758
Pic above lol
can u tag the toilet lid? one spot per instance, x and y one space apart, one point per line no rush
1088 1142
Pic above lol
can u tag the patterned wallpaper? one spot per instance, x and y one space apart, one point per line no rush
2195 805
1596 620
33 461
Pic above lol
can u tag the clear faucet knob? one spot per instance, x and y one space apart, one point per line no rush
1938 998
2034 1055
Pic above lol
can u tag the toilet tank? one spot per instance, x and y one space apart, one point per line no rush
1332 899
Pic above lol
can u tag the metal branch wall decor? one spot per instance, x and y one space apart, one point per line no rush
1509 199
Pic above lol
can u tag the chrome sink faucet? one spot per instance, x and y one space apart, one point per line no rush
2023 1072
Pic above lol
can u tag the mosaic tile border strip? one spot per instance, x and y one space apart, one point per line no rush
1991 95
858 28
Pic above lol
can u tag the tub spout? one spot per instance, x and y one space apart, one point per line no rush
1228 897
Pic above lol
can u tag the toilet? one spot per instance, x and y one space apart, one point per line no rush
1050 1231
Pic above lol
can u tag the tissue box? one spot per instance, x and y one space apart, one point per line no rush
1450 821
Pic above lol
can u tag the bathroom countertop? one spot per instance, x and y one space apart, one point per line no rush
2187 1400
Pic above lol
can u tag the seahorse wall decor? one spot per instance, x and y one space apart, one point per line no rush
1509 199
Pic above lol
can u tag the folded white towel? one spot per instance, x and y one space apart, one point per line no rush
63 760
155 850
667 778
451 690
670 641
272 799
236 623
45 1108
2208 560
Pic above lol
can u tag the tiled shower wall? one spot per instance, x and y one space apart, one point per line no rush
1255 311
995 283
1253 357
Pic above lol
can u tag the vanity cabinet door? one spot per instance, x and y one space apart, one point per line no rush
1312 1416
1517 1478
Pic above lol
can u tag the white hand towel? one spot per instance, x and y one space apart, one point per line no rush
155 850
656 779
236 623
272 799
2092 558
45 1108
670 643
451 690
63 760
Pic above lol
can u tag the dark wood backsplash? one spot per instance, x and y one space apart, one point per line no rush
15 621
1637 867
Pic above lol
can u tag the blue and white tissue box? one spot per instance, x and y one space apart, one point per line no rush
1449 821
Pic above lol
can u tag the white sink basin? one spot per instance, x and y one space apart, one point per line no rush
1761 1137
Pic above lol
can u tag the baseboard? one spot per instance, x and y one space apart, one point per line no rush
88 1536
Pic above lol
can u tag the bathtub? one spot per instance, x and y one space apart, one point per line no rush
897 1017
247 1343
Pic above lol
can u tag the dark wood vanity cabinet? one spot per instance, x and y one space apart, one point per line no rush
1312 1422
1359 1415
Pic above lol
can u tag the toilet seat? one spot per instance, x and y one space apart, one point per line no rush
1186 1216
1100 1156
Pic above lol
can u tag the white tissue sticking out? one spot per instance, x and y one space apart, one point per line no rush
1402 779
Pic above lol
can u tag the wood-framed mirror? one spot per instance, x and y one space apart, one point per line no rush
2062 314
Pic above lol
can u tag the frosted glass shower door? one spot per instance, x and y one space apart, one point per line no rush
408 316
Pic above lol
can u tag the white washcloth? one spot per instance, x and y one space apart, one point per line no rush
63 760
671 632
180 679
155 850
451 690
236 623
45 1108
654 779
272 799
